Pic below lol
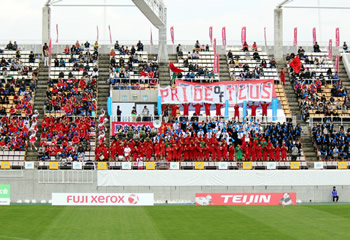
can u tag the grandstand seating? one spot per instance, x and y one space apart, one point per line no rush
133 71
260 69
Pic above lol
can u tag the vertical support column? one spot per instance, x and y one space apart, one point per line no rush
162 45
46 24
278 34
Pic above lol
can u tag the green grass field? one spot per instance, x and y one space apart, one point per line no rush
175 222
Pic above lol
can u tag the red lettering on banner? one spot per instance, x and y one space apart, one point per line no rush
185 94
174 94
257 92
114 199
101 199
230 90
266 89
207 94
164 93
196 91
93 199
121 199
240 96
69 198
246 198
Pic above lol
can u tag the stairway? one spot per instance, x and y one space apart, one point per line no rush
223 68
305 138
343 74
103 88
164 71
39 103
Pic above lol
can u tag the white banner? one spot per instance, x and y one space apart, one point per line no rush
102 199
222 178
234 92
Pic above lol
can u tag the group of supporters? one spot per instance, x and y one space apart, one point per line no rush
122 69
207 140
309 87
330 143
207 110
246 71
66 138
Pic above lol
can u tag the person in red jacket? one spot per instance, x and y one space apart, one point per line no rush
186 106
277 153
236 107
264 107
284 152
231 152
207 109
174 108
258 150
197 108
283 78
253 107
265 153
218 109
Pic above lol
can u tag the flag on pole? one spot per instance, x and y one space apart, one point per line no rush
243 35
110 34
56 33
151 38
337 63
224 36
97 33
172 34
337 37
265 36
330 49
216 63
214 46
211 34
295 64
313 36
295 42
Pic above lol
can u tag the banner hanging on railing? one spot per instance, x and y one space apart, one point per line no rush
56 33
50 48
295 42
110 34
233 91
214 46
243 35
313 36
337 37
224 36
211 34
172 34
330 49
216 64
97 33
151 41
265 36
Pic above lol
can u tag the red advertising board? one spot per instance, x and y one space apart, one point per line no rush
245 199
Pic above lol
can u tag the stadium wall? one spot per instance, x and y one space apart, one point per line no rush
39 184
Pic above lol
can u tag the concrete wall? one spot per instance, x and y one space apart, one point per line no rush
29 185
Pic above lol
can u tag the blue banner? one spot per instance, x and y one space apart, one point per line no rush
159 105
244 109
109 106
274 109
226 109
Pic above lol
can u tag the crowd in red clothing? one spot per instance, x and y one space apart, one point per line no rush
67 136
14 133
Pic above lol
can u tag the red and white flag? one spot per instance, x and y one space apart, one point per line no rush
110 34
50 48
214 46
224 36
265 36
295 42
56 33
151 38
172 34
216 63
330 49
243 35
337 37
97 33
337 63
211 34
313 36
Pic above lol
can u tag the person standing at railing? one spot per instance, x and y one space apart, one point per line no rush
119 114
46 54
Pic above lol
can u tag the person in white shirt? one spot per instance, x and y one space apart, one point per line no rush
127 151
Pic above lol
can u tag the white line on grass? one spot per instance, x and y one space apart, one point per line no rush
15 238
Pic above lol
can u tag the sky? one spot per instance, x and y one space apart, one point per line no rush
191 20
